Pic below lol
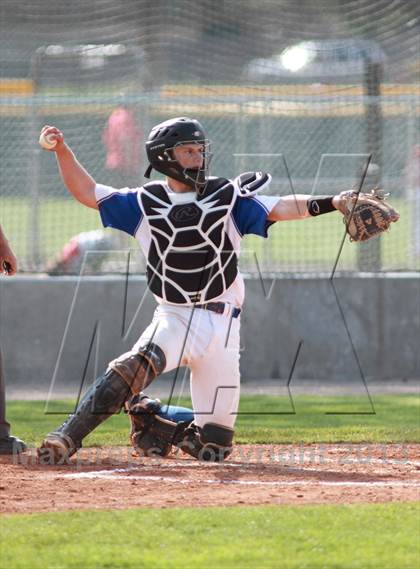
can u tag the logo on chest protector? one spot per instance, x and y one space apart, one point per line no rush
185 214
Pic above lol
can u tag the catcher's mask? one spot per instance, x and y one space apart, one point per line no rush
162 140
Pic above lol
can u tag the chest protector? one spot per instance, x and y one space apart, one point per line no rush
191 258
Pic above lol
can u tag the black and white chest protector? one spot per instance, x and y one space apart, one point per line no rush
191 258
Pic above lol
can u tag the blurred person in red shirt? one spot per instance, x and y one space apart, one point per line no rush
123 139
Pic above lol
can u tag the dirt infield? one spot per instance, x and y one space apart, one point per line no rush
255 474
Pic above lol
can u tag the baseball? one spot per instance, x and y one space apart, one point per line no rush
47 141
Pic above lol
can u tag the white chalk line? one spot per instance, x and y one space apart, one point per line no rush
278 461
319 459
296 461
185 464
344 460
115 475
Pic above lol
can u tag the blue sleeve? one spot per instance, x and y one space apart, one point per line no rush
176 414
121 210
250 216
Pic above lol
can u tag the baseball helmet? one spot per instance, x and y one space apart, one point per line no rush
164 137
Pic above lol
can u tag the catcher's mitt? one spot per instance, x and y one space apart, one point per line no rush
150 435
366 215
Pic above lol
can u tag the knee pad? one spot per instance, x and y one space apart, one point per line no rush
138 369
210 443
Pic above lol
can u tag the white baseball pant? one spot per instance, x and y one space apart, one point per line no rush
208 344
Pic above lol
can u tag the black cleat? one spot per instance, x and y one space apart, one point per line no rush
11 445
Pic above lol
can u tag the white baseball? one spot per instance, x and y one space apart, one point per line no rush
47 141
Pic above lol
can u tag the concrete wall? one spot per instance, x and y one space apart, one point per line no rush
342 330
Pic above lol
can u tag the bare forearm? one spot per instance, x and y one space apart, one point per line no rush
76 179
290 207
8 263
294 207
2 237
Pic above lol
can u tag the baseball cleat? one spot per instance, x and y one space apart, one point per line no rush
56 448
11 445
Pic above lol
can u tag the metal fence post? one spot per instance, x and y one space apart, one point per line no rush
34 170
369 254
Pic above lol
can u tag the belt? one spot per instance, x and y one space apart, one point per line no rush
219 308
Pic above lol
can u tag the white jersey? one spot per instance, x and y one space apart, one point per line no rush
144 212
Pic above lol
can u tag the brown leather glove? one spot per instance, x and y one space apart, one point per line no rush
366 215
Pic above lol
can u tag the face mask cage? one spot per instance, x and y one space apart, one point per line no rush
196 177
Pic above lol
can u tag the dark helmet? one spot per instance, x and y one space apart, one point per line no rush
162 140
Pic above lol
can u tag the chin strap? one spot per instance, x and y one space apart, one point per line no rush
148 171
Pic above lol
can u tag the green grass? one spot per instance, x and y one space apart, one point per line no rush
397 419
308 244
304 537
59 220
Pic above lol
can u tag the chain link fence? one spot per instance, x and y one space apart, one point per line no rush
278 86
313 145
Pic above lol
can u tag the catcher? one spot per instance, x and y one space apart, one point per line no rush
189 227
